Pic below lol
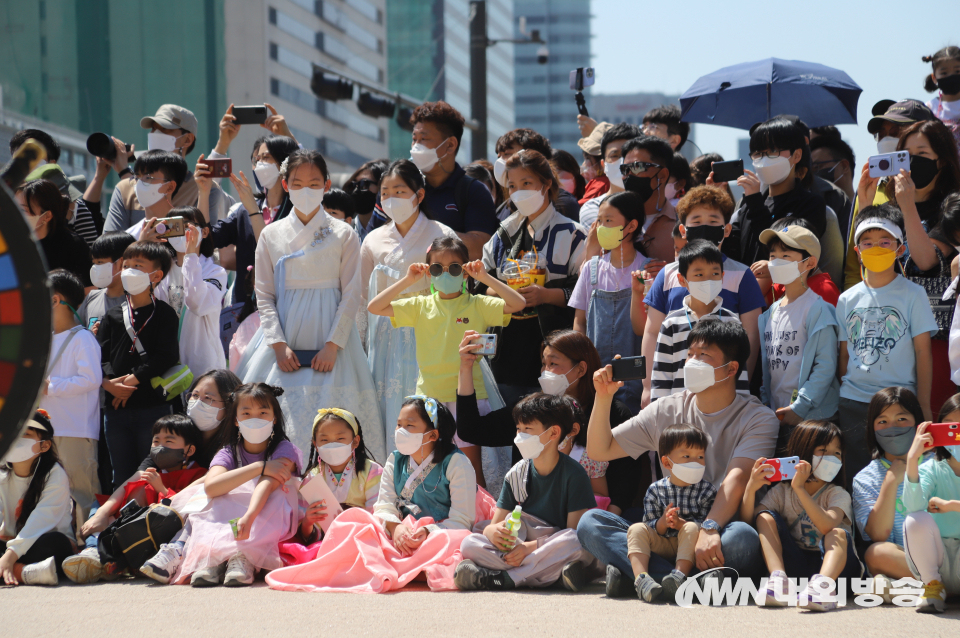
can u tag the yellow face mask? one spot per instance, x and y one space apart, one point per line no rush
609 238
878 259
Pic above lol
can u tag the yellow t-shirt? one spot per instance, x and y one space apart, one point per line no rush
439 325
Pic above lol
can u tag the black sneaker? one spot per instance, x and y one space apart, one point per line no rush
618 586
574 576
471 577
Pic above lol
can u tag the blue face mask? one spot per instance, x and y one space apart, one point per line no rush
447 283
954 451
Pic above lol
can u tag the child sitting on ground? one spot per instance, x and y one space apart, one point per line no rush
553 491
673 509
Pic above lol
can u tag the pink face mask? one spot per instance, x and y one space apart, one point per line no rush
569 184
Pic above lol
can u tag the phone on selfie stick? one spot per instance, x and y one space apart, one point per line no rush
580 78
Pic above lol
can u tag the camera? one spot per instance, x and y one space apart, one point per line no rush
543 55
101 145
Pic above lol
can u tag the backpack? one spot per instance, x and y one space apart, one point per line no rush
136 536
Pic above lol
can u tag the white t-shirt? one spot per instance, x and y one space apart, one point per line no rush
784 339
73 386
951 110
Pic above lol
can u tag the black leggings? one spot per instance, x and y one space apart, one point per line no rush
50 544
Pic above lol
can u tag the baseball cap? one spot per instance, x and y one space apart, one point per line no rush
591 143
875 222
794 236
55 174
902 112
172 116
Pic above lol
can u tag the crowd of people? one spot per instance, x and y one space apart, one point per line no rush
508 374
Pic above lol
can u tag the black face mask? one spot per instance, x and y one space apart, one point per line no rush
640 186
828 173
713 234
923 170
950 84
364 201
166 458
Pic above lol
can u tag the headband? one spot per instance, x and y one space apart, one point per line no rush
430 404
343 414
882 224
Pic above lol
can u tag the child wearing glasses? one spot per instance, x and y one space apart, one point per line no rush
885 330
440 319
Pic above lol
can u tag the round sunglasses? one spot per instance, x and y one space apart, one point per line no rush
455 270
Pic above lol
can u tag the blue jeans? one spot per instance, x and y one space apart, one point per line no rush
129 433
605 536
802 563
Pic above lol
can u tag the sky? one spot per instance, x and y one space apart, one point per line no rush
879 44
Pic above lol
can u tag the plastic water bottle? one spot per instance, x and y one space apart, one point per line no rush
513 525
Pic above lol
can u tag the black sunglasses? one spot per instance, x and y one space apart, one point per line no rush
455 270
363 185
637 167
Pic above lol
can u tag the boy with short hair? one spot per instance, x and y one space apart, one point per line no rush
130 402
799 332
159 176
168 469
704 213
339 204
885 329
554 492
107 253
71 392
673 509
699 270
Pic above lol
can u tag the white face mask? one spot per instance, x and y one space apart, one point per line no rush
688 472
500 171
255 431
22 450
424 158
529 445
135 281
399 209
784 272
101 275
826 468
407 442
203 415
612 171
887 144
553 383
267 174
306 200
161 142
527 202
772 170
148 194
335 453
698 376
705 291
179 243
671 192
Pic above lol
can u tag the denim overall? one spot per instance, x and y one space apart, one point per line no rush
609 327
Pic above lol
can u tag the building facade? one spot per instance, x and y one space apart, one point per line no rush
631 108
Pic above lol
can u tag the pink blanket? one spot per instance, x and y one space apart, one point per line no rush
356 555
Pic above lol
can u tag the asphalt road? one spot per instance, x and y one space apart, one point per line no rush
135 608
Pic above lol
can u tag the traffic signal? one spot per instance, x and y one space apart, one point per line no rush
332 88
374 106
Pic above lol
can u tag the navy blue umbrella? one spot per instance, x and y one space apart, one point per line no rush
744 94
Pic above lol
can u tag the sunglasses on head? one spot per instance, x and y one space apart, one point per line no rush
636 168
436 270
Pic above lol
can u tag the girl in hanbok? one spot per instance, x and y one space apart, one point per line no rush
385 255
308 291
426 507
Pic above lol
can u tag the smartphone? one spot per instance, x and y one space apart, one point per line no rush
305 357
727 171
784 469
581 78
889 163
944 433
489 343
250 114
629 368
219 167
171 227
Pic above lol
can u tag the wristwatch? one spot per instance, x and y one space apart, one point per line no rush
124 172
710 525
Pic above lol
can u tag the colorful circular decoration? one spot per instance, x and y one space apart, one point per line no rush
25 320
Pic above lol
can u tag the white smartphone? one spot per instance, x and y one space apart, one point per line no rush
489 343
889 164
316 489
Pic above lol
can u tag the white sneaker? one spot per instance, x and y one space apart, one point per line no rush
882 586
776 592
164 563
84 567
816 601
42 573
240 571
208 576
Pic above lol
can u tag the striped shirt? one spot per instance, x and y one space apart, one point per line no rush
692 501
671 353
83 224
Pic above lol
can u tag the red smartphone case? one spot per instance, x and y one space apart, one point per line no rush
944 434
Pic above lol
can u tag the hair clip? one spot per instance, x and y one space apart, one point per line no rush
430 404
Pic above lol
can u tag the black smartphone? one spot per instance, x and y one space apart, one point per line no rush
629 368
727 171
250 114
